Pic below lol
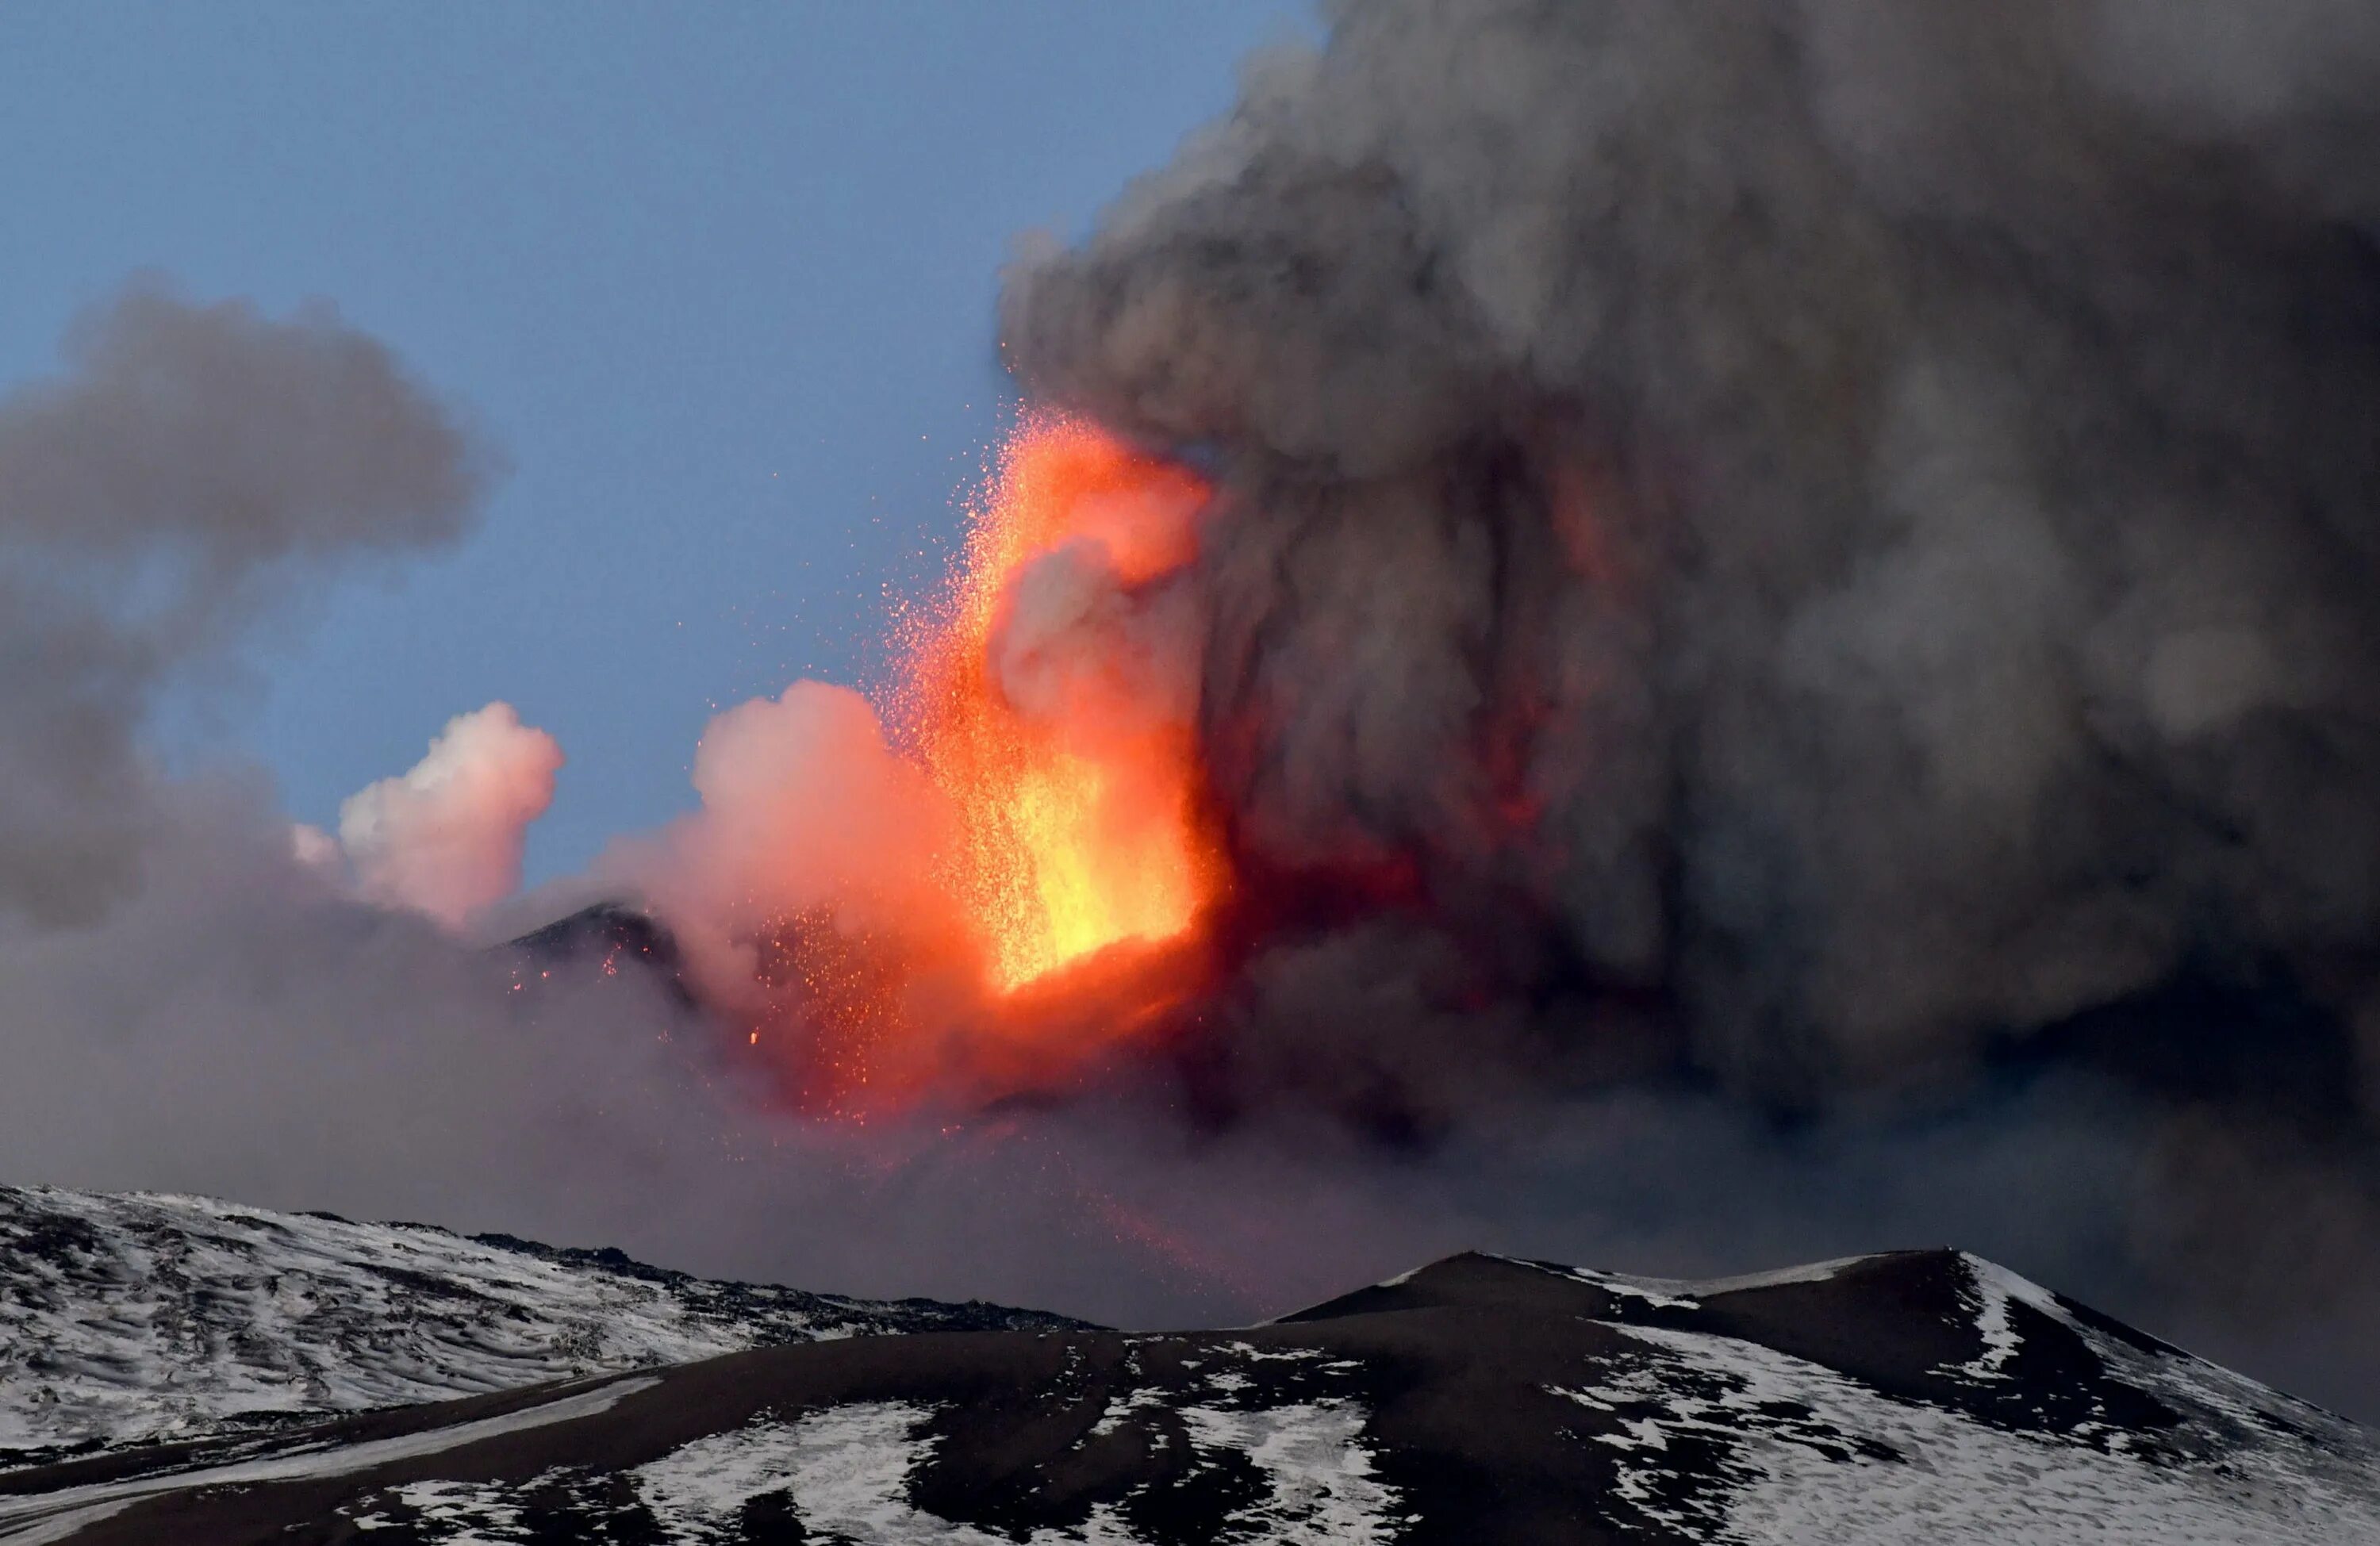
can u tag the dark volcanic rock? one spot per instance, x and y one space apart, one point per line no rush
608 939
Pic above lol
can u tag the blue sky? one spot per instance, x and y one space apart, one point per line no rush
718 280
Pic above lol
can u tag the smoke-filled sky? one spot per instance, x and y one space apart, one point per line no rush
1767 614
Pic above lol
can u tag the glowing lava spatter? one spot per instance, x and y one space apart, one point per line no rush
1040 714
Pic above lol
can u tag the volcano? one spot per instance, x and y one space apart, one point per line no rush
1479 1399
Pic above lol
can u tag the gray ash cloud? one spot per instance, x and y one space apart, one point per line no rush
172 493
1833 545
1861 519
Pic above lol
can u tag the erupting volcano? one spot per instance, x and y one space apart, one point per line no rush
1068 763
1002 866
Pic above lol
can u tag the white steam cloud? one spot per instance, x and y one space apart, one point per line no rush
446 837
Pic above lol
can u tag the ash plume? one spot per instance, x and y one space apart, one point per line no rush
1858 518
1835 543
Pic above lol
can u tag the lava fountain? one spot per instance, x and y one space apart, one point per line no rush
1048 697
1001 867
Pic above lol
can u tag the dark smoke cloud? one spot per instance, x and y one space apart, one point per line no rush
173 491
1838 532
1893 487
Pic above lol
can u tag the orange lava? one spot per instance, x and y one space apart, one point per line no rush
1077 806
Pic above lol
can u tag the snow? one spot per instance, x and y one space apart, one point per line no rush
465 1513
850 1468
140 1318
1794 1479
1725 1439
1121 1407
1249 1352
1993 1288
1321 1491
48 1516
846 1471
1706 1437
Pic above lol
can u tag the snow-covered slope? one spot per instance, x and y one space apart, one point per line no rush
140 1318
1915 1396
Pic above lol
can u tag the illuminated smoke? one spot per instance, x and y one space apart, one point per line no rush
806 812
960 896
446 837
1050 699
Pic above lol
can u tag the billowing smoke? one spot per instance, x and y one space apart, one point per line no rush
1856 518
806 810
1833 541
446 838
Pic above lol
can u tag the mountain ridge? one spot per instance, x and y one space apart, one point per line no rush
221 1318
1479 1398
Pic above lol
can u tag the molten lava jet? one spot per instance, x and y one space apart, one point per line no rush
1041 700
1017 875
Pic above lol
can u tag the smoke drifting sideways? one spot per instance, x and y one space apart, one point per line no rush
1838 539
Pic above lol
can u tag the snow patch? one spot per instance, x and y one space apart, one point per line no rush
1995 1288
1321 1490
465 1513
846 1471
707 1482
53 1515
1119 1408
1255 1354
1804 1454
